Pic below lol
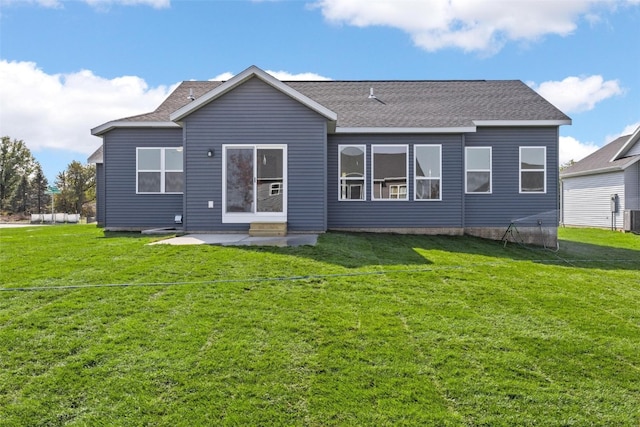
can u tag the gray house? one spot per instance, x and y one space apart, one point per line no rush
447 157
603 189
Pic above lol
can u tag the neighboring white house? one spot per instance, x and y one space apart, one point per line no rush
603 189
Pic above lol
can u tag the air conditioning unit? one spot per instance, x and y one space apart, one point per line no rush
632 220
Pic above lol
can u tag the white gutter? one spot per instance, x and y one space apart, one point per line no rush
387 130
521 122
601 170
99 130
592 172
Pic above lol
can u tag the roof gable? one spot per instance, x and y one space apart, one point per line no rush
602 161
96 157
627 147
239 79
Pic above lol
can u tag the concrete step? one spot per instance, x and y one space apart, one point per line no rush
268 229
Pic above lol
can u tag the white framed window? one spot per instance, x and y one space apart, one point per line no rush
389 170
533 169
478 170
275 188
159 170
427 172
351 171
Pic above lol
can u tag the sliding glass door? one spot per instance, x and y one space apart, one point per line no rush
254 183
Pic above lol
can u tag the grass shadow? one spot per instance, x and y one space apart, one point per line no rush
133 235
589 255
354 250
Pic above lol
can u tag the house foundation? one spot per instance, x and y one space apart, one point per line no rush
434 231
538 236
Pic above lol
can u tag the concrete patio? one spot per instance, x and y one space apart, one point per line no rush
240 240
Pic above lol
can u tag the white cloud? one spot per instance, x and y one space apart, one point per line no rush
57 111
43 3
223 77
156 4
628 130
100 4
572 149
576 94
280 75
470 25
283 75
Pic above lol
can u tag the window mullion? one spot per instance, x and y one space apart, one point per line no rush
162 170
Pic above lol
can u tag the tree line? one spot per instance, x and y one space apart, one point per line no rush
23 186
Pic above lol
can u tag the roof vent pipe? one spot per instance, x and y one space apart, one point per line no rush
191 97
372 96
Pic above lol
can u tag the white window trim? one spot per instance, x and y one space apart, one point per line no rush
406 177
162 170
415 176
363 178
275 189
244 217
520 170
467 170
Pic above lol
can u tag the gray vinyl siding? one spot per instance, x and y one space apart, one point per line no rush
123 207
586 200
100 194
506 203
394 213
632 186
255 113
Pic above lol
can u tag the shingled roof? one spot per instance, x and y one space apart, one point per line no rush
600 161
177 99
397 104
428 104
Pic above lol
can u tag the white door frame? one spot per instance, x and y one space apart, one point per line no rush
249 217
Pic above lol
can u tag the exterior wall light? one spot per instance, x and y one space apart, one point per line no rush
210 152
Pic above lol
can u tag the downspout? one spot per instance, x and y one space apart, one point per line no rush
462 192
560 186
104 183
561 196
185 169
325 221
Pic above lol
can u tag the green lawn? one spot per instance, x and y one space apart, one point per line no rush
100 329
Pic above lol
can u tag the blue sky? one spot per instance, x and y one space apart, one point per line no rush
68 66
